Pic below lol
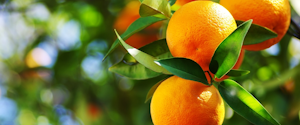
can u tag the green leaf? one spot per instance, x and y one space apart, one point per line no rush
135 27
131 68
228 51
143 58
153 7
257 34
172 2
217 1
158 49
184 68
153 88
242 102
237 73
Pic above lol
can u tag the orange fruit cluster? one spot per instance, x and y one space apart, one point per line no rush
194 31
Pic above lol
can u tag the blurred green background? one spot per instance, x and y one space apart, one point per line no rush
52 73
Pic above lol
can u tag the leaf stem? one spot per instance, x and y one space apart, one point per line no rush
216 84
211 79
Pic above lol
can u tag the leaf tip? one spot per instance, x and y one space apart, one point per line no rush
147 99
157 62
110 68
214 66
104 57
116 31
251 20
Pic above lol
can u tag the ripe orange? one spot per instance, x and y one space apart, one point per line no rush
127 16
182 2
273 14
178 101
196 30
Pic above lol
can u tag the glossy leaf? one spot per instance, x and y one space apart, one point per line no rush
135 27
184 68
242 102
143 58
237 73
153 7
131 68
257 34
158 49
228 51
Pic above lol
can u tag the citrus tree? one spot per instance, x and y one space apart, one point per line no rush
175 62
202 44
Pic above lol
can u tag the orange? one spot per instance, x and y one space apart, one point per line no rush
178 101
273 14
127 16
179 3
182 2
196 30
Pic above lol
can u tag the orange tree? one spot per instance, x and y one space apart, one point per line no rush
156 59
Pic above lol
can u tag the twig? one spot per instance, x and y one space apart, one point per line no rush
293 34
296 26
294 29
